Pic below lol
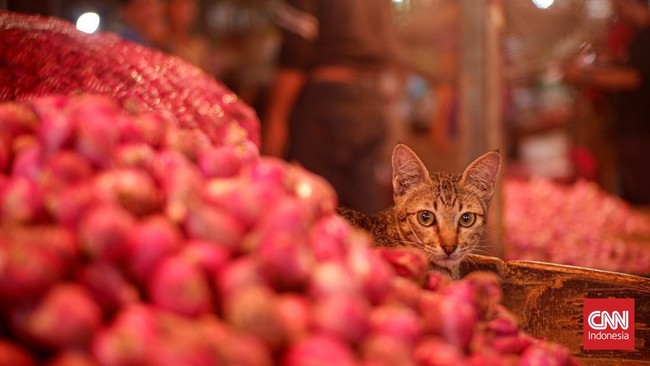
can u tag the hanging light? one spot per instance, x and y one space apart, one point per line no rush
88 22
543 4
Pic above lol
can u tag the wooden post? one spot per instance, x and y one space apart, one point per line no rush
481 92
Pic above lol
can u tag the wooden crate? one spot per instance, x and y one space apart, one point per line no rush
547 299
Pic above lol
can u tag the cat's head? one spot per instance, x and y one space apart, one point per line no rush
444 214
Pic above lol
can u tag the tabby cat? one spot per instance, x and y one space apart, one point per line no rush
443 214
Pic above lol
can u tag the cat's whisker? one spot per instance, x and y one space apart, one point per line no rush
414 233
472 262
409 243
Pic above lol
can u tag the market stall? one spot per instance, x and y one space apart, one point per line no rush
140 225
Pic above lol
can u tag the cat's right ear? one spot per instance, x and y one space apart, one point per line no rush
408 170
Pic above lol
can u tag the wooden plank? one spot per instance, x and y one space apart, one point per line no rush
547 300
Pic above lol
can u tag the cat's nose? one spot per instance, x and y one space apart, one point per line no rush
449 249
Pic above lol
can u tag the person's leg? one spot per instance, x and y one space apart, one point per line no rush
337 132
634 165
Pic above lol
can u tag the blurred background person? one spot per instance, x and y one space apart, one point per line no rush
628 84
143 21
327 109
183 38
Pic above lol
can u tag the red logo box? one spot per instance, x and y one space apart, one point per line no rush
608 324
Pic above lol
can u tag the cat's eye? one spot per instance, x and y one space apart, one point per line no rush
467 219
426 218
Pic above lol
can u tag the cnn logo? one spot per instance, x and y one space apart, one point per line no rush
599 320
608 324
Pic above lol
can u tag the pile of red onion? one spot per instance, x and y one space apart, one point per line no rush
129 240
578 224
41 56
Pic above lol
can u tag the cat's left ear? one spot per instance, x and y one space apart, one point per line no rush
482 173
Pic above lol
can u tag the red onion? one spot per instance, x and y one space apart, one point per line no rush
5 153
27 270
386 350
97 140
132 189
319 350
459 320
69 204
190 142
181 182
313 191
211 257
17 119
398 321
149 242
72 358
546 354
254 310
28 159
408 262
65 168
246 205
328 238
134 155
331 278
14 355
234 347
367 265
225 161
436 280
108 286
238 274
344 316
404 291
147 128
295 315
56 131
67 317
436 352
208 223
284 260
180 285
21 201
131 339
104 233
